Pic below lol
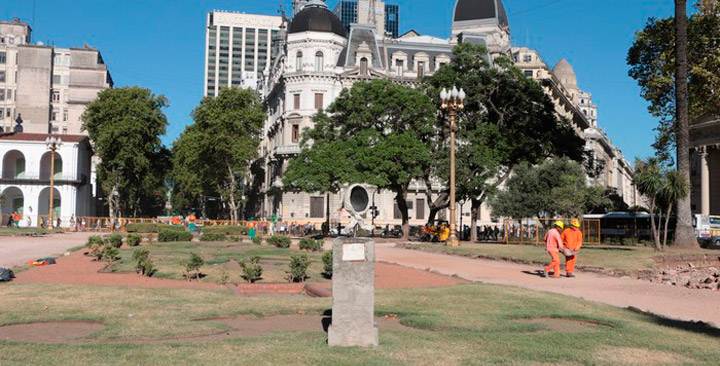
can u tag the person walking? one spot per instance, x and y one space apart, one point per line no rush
572 237
191 222
251 226
554 244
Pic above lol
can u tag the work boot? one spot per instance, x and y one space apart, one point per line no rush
570 275
544 274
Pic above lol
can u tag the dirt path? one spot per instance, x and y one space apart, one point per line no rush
667 301
17 250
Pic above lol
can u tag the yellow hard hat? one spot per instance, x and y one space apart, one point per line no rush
575 222
560 224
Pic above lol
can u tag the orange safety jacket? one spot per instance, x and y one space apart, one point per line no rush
572 238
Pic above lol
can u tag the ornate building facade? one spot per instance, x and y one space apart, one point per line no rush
318 58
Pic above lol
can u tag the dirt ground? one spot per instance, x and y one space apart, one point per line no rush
17 250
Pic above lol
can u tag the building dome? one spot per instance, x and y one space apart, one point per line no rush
564 72
316 18
481 10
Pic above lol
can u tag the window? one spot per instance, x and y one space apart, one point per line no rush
56 79
65 130
364 66
295 133
396 211
296 101
420 210
2 76
54 116
399 67
2 94
318 101
2 113
527 58
298 61
56 96
316 207
3 58
319 61
65 115
440 65
528 73
421 69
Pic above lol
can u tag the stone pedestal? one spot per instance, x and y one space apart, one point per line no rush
353 311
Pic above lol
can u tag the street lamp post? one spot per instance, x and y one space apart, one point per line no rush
452 101
52 143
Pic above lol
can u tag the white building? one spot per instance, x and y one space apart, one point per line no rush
237 49
26 172
319 59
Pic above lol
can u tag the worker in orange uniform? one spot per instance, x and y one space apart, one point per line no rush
176 220
191 222
572 237
553 245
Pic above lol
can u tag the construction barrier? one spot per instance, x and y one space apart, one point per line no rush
532 231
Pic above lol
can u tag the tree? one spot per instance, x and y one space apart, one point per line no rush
556 188
212 156
648 181
125 126
508 119
673 190
377 133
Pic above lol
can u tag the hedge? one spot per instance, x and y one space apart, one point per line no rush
279 241
212 237
174 235
225 230
151 228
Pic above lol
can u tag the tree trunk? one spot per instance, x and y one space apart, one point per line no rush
684 232
474 209
653 228
402 206
667 222
442 201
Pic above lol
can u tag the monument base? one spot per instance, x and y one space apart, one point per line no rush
354 338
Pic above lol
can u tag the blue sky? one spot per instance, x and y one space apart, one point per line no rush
159 44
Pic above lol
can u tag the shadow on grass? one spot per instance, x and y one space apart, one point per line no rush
691 326
617 249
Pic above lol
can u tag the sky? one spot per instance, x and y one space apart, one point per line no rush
159 44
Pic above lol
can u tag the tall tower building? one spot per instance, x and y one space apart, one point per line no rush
238 49
385 16
483 21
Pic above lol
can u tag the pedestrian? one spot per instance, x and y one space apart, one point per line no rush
72 223
58 222
554 244
496 232
11 218
572 237
251 226
191 222
16 219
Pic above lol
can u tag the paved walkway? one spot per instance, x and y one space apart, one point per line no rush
668 301
17 250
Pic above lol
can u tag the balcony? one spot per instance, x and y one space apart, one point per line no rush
37 179
287 150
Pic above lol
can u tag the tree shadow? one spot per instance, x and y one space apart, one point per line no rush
326 319
691 326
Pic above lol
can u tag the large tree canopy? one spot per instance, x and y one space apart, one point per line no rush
652 62
377 133
125 126
508 119
212 156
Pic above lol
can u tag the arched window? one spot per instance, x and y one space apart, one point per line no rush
319 61
298 62
364 66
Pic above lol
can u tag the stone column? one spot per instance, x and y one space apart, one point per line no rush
704 181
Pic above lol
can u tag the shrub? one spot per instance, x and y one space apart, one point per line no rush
151 228
252 271
327 260
134 240
225 230
95 239
110 253
96 244
212 237
311 245
172 235
145 265
236 239
193 264
114 240
298 268
279 241
257 240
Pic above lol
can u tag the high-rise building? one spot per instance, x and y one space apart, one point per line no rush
387 16
238 49
50 87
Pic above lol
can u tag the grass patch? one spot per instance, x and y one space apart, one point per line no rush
5 231
607 257
459 325
167 258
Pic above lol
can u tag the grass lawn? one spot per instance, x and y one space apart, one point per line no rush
167 258
6 231
460 325
608 257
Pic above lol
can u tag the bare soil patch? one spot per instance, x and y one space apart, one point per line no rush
565 325
48 332
639 356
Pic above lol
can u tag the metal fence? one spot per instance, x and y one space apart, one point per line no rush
532 231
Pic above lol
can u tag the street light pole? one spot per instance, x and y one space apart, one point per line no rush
452 101
52 143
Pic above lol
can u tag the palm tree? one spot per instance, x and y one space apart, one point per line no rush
684 233
648 180
674 188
